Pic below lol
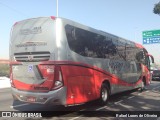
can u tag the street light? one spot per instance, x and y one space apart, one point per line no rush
57 7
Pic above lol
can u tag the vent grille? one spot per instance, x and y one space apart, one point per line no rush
32 56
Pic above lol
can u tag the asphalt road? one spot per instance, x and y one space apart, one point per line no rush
127 105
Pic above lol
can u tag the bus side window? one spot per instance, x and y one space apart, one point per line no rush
89 44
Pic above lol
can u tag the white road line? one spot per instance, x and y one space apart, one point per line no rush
76 117
101 108
118 102
111 103
19 105
131 97
83 110
156 87
142 92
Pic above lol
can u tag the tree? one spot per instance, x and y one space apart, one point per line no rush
156 9
4 70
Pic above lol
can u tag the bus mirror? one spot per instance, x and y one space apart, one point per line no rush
152 58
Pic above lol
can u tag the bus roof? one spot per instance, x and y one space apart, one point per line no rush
90 28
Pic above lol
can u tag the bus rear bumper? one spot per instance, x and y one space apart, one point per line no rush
55 97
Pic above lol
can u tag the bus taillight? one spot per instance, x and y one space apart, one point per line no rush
58 78
11 80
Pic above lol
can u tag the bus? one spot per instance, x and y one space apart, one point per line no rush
56 61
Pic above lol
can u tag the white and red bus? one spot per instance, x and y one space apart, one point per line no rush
61 62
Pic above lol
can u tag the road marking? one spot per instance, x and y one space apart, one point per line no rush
76 117
156 87
101 108
19 105
118 102
131 97
83 110
109 103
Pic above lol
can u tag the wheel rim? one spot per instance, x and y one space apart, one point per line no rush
104 94
143 85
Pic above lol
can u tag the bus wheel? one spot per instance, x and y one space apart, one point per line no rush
104 94
142 85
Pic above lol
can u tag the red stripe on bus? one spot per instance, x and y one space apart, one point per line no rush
121 82
112 78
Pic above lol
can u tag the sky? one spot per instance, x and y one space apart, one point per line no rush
124 18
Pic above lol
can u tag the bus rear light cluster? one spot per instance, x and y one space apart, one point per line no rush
58 84
12 84
58 79
11 80
47 68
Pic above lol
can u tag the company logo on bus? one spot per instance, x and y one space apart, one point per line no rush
30 57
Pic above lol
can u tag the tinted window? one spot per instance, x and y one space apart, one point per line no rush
89 44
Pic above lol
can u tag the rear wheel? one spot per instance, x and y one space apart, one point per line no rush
142 85
104 94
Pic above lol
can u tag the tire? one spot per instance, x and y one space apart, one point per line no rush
104 94
142 86
150 82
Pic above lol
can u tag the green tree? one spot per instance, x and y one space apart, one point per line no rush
156 9
4 70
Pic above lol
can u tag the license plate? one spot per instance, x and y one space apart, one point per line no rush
31 99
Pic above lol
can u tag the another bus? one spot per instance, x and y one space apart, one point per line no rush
61 62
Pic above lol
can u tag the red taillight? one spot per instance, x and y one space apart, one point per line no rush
11 79
46 70
58 78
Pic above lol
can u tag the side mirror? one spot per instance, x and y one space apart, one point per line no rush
152 58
